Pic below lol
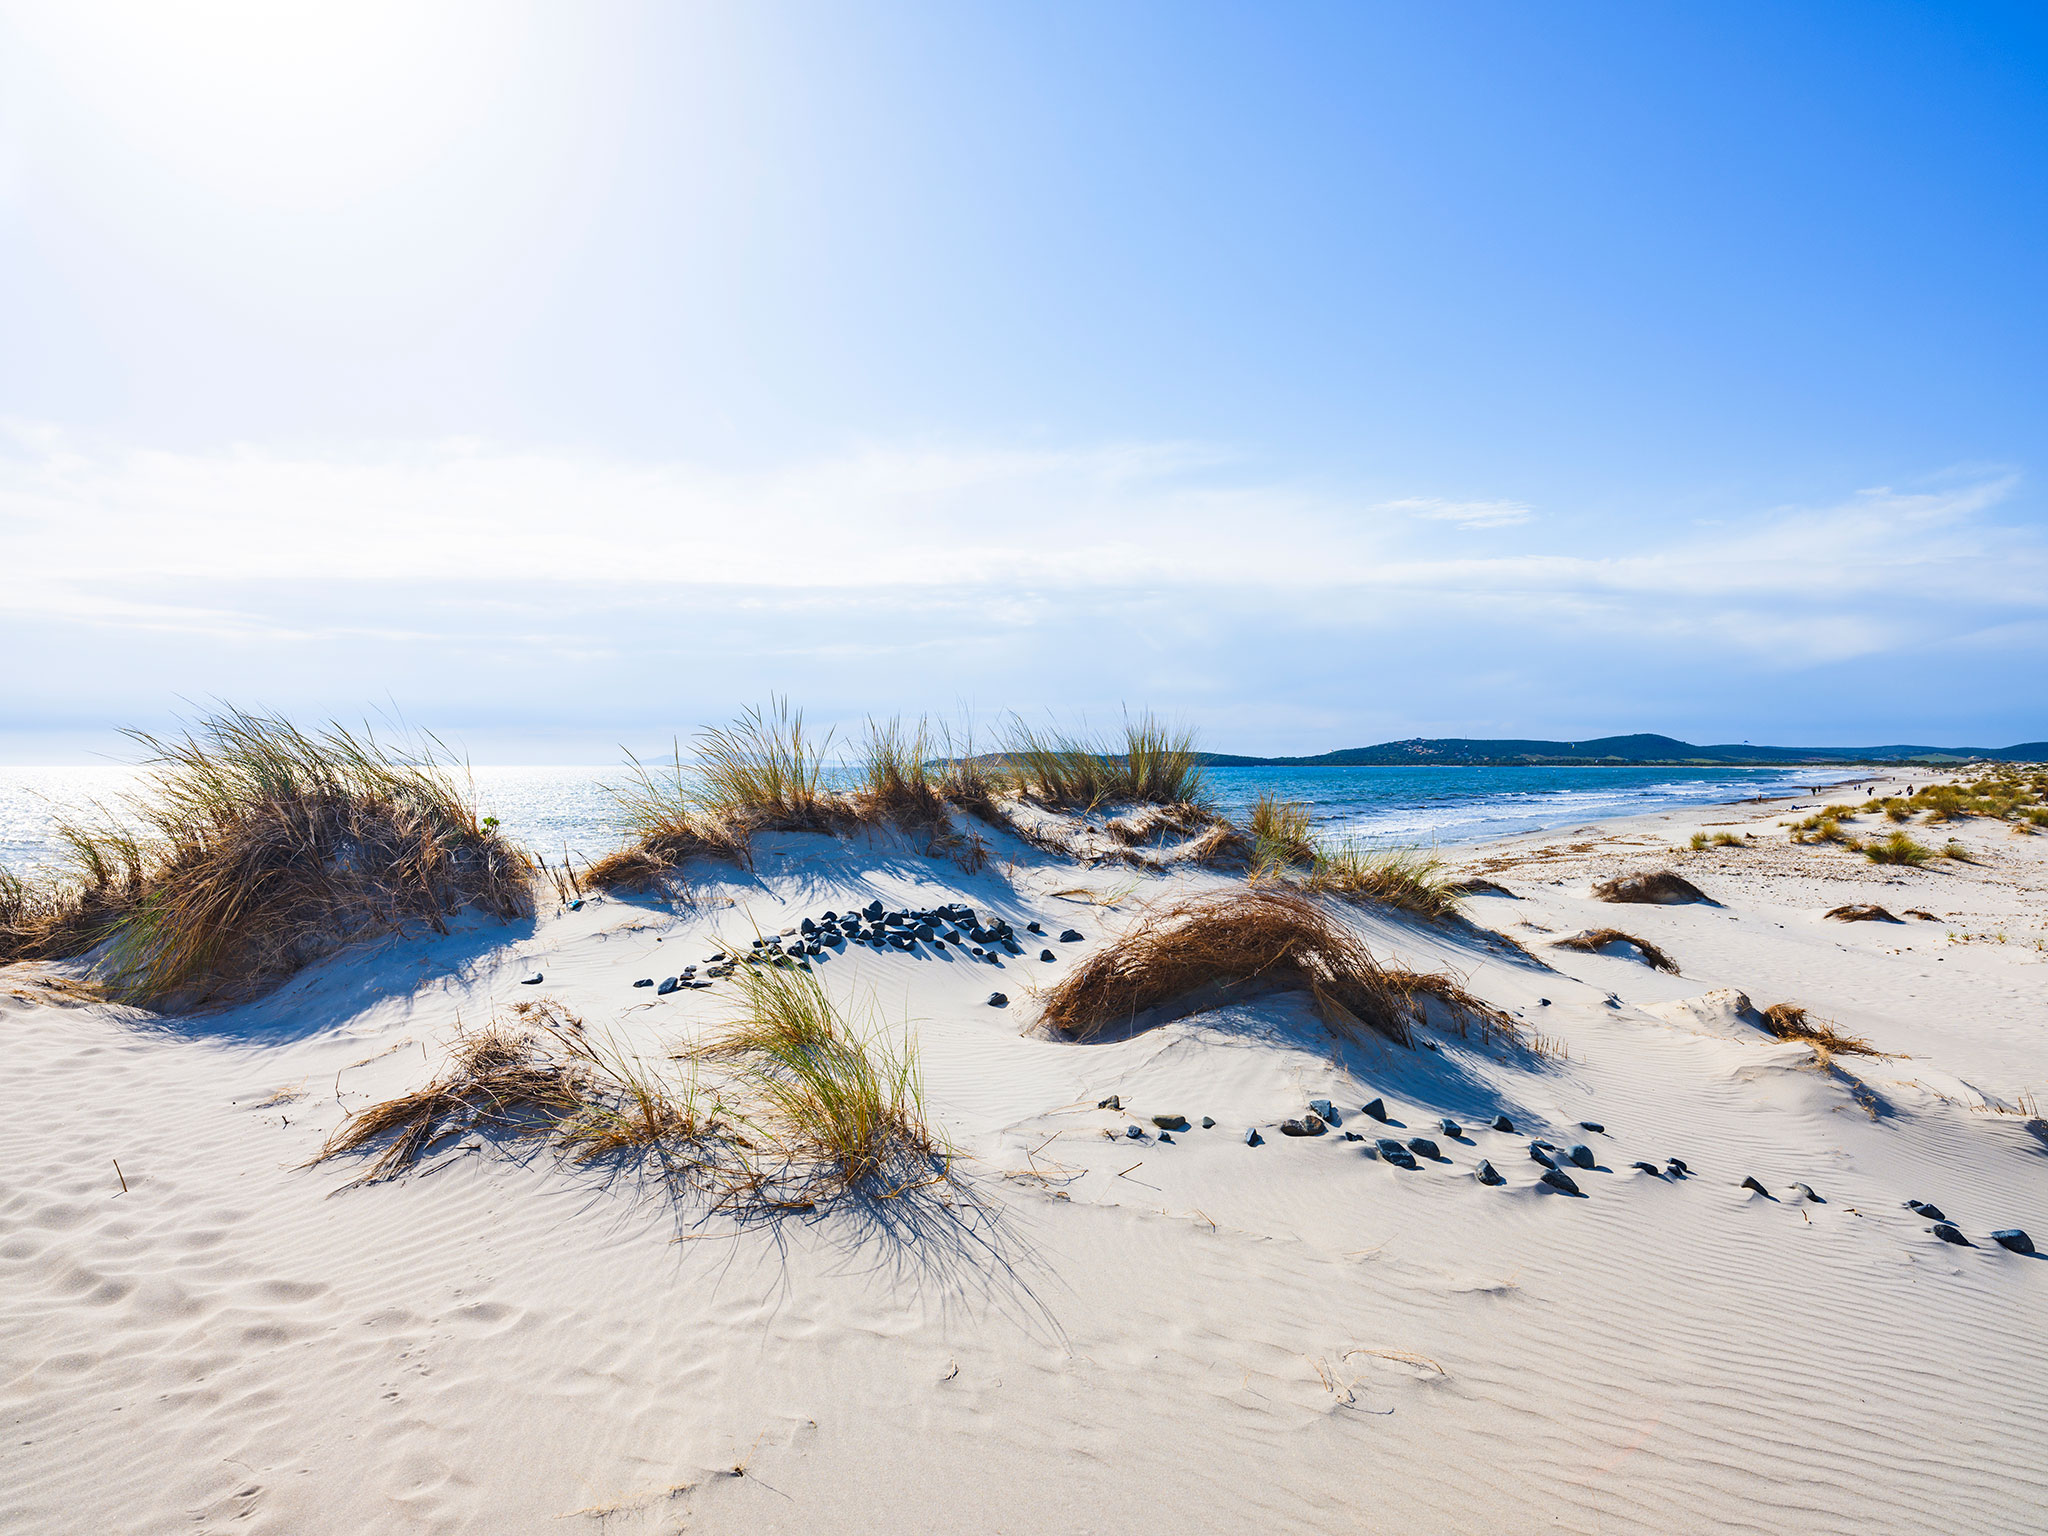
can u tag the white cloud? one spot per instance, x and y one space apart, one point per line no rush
1466 514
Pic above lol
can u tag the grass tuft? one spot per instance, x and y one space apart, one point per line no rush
1280 838
1407 878
1159 765
1215 942
259 848
1596 939
1660 887
1897 849
1790 1022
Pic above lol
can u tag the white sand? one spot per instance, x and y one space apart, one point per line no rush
1220 1337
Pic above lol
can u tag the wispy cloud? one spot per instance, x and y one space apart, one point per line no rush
1466 514
536 584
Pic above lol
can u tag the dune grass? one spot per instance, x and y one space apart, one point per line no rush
1407 878
1280 837
1790 1022
1210 943
1596 939
849 1112
1657 887
257 848
1897 849
765 773
1701 841
1158 765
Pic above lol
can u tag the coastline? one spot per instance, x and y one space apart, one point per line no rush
1290 1335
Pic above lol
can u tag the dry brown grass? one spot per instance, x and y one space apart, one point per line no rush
1596 939
257 848
1207 944
1660 887
1788 1021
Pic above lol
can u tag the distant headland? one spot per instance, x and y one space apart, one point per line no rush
1646 750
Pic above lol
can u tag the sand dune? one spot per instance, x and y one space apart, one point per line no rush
1090 1332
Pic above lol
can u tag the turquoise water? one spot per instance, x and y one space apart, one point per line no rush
550 809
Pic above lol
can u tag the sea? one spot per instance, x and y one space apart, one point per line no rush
557 810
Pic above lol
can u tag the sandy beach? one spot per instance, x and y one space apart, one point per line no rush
1085 1329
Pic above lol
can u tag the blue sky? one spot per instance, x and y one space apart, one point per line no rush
561 378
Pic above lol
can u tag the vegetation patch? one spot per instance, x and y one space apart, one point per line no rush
1789 1022
1594 940
1660 887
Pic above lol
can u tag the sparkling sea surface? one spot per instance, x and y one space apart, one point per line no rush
552 808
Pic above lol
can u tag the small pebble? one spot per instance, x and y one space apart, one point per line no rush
1752 1184
1171 1122
1949 1234
1252 1137
1134 1133
1353 1136
1167 1137
1112 1102
1393 1152
1581 1154
1557 1178
1650 1168
1503 1123
1449 1127
998 1000
1208 1124
1594 1126
1538 1155
1045 954
1486 1173
644 981
1071 936
530 981
1922 1208
1033 928
1543 1002
1423 1146
2015 1239
1677 1166
668 985
1806 1193
1377 1109
1324 1108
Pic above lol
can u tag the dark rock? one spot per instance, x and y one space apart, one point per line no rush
1326 1109
1353 1136
1542 1002
645 981
1207 1123
1594 1126
1503 1123
807 926
1071 936
1558 1179
1112 1102
998 1000
1171 1122
1677 1166
1650 1168
1134 1133
1045 954
530 981
1538 1155
1752 1184
576 905
1949 1234
1377 1109
2013 1238
1806 1193
1392 1151
1252 1138
1581 1154
1307 1125
1167 1137
1449 1127
926 932
1486 1173
1922 1208
1424 1147
1033 928
668 986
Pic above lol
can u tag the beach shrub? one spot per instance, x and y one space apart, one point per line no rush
1280 837
1159 765
1407 878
